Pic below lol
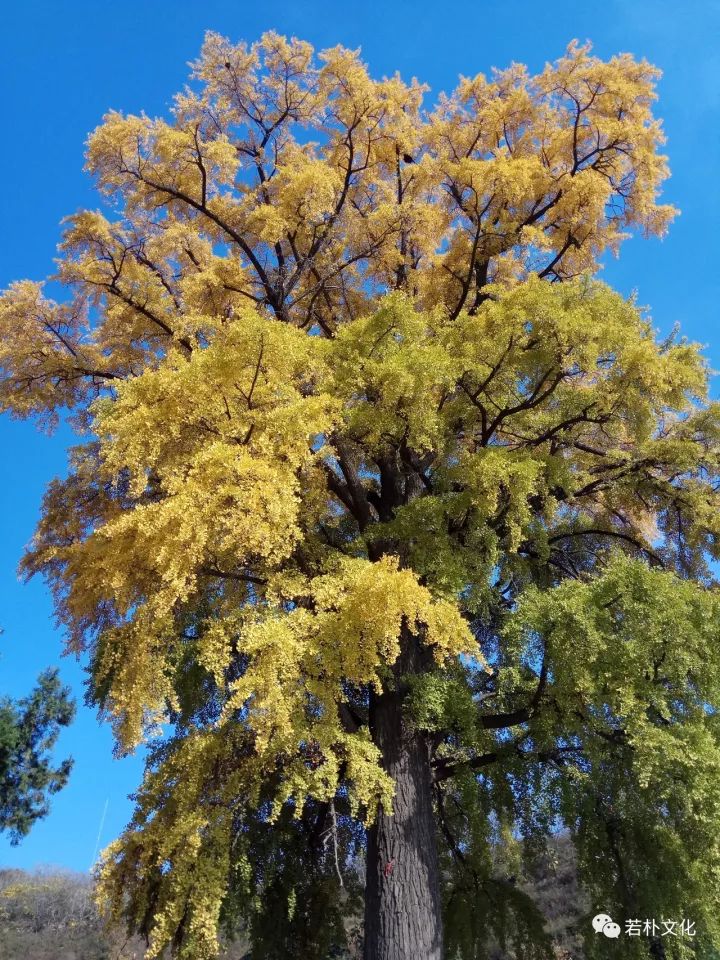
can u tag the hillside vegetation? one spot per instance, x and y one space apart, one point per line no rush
50 915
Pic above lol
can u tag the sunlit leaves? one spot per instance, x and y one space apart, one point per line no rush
333 402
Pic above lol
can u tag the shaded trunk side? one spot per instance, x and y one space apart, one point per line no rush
403 915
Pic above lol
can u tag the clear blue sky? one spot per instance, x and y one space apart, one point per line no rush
62 65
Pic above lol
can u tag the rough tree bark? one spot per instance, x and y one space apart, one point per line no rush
403 916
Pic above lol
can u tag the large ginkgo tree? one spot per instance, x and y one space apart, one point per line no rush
389 527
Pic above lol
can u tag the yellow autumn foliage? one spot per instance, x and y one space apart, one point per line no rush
333 409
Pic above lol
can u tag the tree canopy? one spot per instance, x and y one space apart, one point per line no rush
359 423
29 729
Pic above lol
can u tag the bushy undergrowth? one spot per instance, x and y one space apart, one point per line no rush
50 915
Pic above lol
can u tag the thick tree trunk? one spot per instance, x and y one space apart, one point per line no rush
403 918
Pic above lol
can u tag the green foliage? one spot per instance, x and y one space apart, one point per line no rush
285 890
29 729
344 429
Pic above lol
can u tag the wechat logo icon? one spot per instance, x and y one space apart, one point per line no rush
603 923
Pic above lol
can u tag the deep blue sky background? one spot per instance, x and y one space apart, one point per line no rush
63 64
